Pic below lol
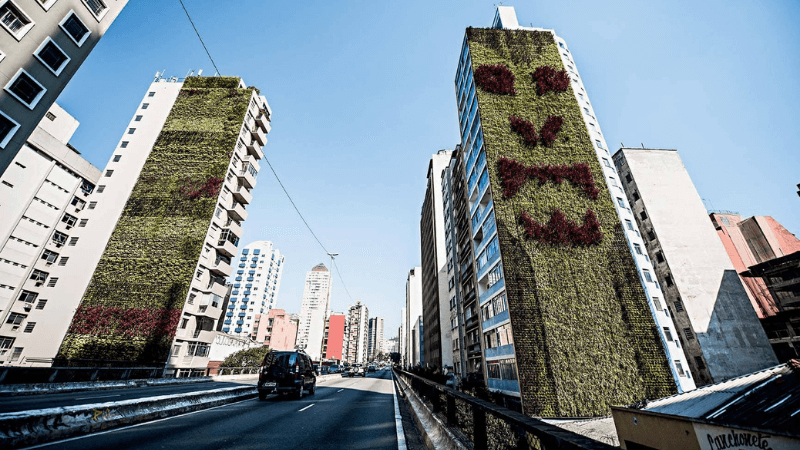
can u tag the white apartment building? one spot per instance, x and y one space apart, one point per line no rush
313 310
42 45
43 193
412 312
375 344
401 337
357 334
189 353
255 287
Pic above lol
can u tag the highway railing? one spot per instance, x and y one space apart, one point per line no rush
234 371
489 426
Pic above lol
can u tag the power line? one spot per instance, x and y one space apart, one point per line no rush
198 36
342 280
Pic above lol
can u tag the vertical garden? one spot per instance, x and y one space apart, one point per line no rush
131 308
583 332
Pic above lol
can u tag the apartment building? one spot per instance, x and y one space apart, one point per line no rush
275 329
44 192
313 311
375 341
715 322
334 343
411 313
165 225
562 303
357 334
255 288
42 45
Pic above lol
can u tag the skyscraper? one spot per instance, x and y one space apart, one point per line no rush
435 298
567 327
412 312
42 45
44 193
358 331
165 225
375 344
255 287
719 329
334 345
313 311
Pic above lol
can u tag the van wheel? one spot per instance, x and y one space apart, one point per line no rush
262 396
313 389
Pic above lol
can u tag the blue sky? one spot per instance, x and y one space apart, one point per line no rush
362 94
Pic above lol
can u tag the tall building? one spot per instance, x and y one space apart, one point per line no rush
402 336
375 341
313 309
255 287
563 310
165 224
435 307
389 346
417 344
334 344
462 285
358 331
42 45
275 330
412 311
43 193
718 328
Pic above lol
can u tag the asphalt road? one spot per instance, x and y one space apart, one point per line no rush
43 401
345 413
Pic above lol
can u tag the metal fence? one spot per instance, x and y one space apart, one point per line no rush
234 371
32 375
491 427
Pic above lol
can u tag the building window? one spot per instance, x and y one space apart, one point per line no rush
41 304
29 327
145 105
5 343
620 202
92 205
668 334
101 188
679 369
131 130
49 256
52 282
117 158
63 261
651 235
629 224
150 94
8 184
53 57
123 144
8 127
97 7
39 276
25 89
637 248
14 20
643 215
59 238
16 319
678 305
668 280
689 334
138 118
659 257
109 173
75 29
657 303
628 178
606 163
70 220
647 275
72 241
698 360
28 296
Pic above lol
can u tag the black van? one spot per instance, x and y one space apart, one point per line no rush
286 372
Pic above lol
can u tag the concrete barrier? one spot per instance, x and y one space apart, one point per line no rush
12 390
25 428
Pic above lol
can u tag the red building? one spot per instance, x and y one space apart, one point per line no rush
333 342
275 330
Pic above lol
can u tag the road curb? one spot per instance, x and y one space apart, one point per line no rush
24 428
14 390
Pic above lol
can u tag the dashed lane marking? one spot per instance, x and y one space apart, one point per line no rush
309 406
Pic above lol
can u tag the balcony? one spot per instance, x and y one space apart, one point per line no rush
262 120
234 227
236 211
226 247
247 174
254 149
222 266
259 135
220 290
242 194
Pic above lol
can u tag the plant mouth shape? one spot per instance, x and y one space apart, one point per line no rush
513 175
547 78
560 230
496 79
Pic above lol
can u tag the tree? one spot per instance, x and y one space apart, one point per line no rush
252 357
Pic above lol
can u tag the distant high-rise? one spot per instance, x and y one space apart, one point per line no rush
43 194
411 313
716 324
375 343
313 309
255 287
567 327
42 45
276 330
164 226
334 342
358 331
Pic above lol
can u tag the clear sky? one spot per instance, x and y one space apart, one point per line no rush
362 95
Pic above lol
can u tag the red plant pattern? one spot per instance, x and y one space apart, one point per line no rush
496 79
524 129
551 127
210 189
125 322
514 174
547 78
559 230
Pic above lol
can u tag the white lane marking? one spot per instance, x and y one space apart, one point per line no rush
309 406
340 390
47 444
99 396
398 419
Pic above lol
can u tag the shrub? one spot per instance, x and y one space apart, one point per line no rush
496 79
524 129
547 78
251 357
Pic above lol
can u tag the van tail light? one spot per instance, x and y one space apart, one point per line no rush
296 371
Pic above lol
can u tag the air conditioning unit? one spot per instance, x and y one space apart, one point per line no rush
27 306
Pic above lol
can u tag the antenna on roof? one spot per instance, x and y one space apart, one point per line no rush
642 145
622 144
200 73
189 73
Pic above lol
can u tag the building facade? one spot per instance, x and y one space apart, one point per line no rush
562 304
44 193
334 343
703 293
275 330
411 313
161 234
255 288
357 334
42 45
313 311
375 342
435 305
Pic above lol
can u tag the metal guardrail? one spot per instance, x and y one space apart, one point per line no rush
236 371
489 426
60 374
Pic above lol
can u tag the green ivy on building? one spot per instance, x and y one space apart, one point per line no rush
583 332
149 261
